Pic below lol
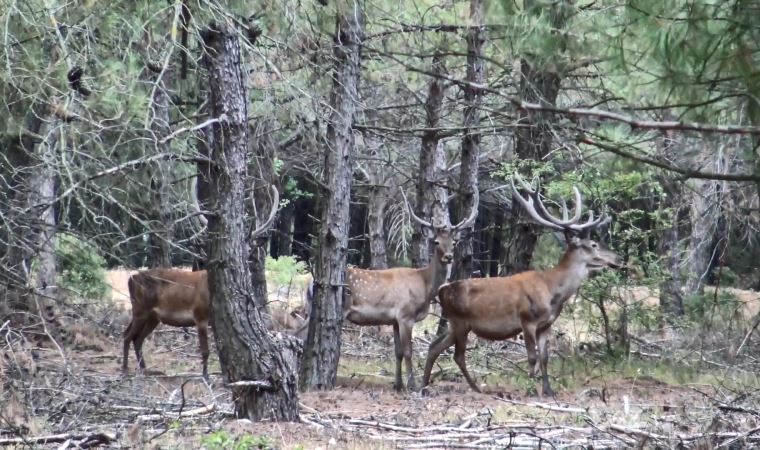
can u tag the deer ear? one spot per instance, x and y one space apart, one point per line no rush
429 232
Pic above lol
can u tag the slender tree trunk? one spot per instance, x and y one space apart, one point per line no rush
473 97
319 367
376 203
261 370
377 197
263 176
703 220
432 197
282 242
468 176
671 299
534 136
160 183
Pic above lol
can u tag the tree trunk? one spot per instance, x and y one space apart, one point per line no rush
319 367
282 242
378 199
432 197
30 220
671 299
261 371
703 220
263 175
534 136
473 96
160 183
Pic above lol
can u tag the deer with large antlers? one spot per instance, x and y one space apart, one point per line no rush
401 296
181 299
528 302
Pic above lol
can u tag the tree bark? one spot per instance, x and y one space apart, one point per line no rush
319 366
473 97
534 136
247 352
161 226
263 176
704 214
376 203
432 197
671 299
30 220
282 242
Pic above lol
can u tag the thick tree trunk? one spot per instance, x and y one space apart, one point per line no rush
473 96
261 371
534 137
30 220
263 175
319 366
160 183
432 197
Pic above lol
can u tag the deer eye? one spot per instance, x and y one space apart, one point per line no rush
436 242
594 245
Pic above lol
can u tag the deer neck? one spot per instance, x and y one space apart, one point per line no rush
434 275
565 279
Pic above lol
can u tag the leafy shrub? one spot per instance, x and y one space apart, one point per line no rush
81 268
284 270
221 440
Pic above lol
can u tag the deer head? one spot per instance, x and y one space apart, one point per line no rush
445 236
581 248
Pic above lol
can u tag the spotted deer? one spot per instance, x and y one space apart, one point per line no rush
401 296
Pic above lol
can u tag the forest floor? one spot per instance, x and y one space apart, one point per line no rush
656 397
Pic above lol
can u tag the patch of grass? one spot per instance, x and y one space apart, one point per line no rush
222 440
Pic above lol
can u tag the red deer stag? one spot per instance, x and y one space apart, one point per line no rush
180 298
401 296
528 302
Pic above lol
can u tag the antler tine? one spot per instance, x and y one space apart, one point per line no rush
530 208
412 214
473 214
566 222
526 186
275 207
591 223
196 205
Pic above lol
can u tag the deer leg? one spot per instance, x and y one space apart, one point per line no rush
128 337
460 347
543 359
398 385
405 333
203 341
441 343
529 332
149 325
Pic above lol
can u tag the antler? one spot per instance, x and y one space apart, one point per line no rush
473 213
194 194
275 207
411 212
548 219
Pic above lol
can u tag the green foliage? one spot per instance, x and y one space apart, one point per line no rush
81 267
284 270
710 309
222 440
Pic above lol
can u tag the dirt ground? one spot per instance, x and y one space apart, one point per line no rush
78 396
